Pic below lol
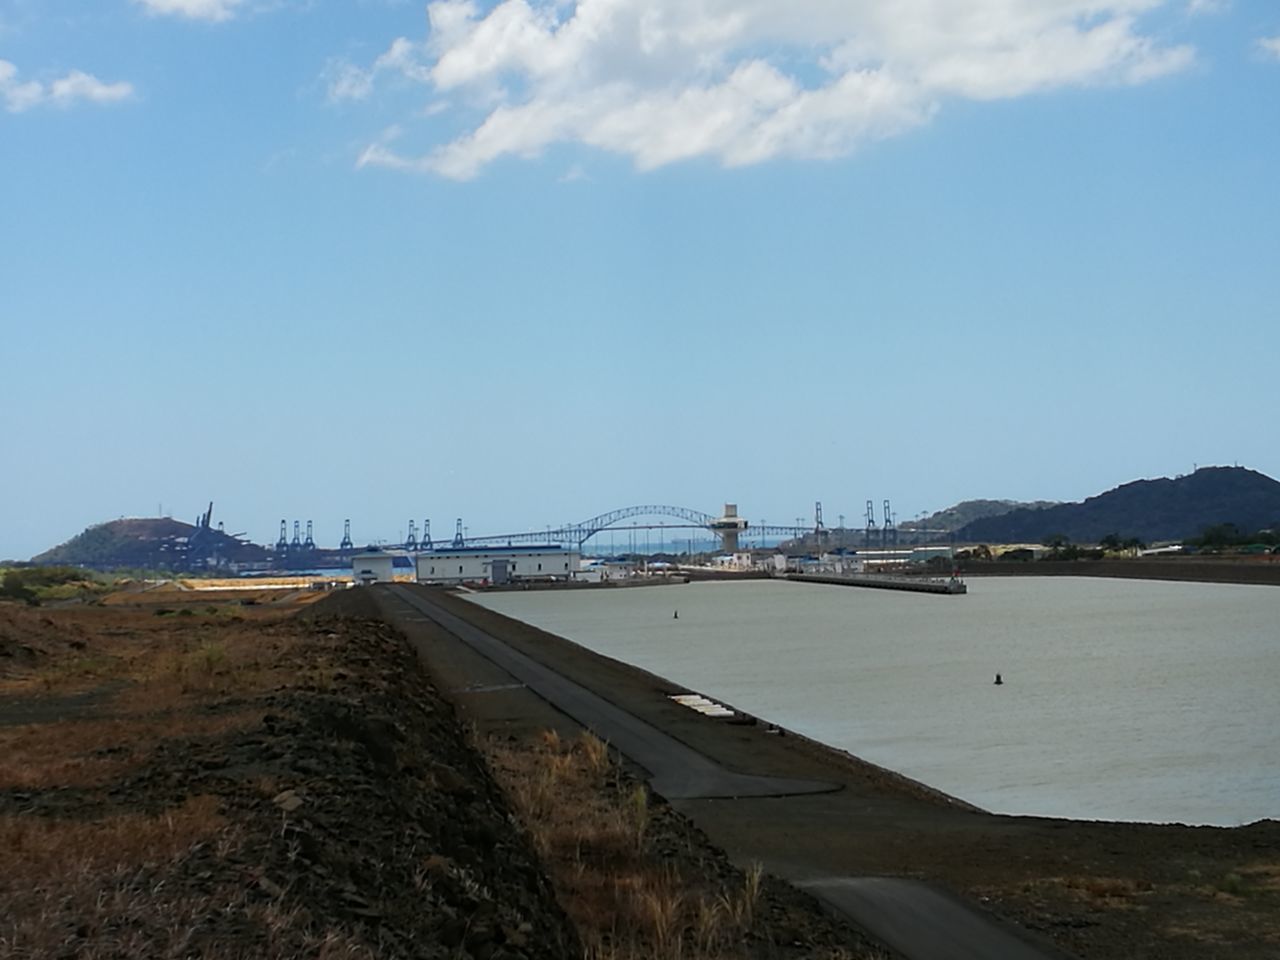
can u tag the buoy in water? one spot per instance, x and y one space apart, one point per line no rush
676 615
999 680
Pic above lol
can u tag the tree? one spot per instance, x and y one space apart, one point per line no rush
14 587
1059 546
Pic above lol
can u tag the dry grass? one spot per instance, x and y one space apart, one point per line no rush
593 831
120 886
212 650
79 754
126 913
104 887
42 852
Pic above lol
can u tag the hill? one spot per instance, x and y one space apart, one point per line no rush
1150 510
967 511
151 543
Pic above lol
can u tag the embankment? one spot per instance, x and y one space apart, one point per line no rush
1264 570
234 783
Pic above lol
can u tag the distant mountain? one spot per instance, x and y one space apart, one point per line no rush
953 518
1149 510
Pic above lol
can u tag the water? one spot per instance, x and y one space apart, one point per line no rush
1123 699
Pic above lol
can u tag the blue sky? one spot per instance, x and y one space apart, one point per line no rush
531 261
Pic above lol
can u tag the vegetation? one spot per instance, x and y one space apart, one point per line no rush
1061 548
36 585
602 836
966 512
1112 543
1145 510
1227 536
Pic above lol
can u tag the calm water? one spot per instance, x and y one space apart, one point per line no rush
1126 700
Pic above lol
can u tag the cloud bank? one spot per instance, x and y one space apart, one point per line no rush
738 81
1270 46
19 95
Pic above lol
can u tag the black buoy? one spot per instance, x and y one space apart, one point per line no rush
676 615
999 680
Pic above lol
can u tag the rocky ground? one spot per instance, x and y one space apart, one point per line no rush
220 787
252 777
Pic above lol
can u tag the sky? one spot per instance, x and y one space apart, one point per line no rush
526 262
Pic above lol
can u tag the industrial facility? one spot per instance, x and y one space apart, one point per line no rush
498 565
373 566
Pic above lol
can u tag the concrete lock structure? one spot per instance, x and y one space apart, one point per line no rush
728 528
497 565
372 566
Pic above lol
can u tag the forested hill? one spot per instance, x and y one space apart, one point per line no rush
1149 510
953 518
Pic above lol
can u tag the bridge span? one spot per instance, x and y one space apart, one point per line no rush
727 527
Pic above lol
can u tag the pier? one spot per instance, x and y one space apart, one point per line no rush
910 584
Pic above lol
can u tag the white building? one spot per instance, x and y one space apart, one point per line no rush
497 564
372 566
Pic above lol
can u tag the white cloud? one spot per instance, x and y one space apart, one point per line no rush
214 10
346 81
1270 46
19 95
1198 7
742 81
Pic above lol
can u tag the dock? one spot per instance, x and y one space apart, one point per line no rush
950 586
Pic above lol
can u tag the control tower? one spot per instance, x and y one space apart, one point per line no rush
728 527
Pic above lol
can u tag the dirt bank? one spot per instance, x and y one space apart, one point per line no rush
222 785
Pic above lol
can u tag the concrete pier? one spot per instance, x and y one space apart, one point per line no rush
910 584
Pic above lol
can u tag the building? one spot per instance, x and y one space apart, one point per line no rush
497 564
373 566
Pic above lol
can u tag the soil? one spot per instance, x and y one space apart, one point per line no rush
29 635
300 789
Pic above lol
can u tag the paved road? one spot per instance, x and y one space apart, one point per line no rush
920 921
916 920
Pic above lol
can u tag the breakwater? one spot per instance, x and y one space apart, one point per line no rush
1265 570
910 584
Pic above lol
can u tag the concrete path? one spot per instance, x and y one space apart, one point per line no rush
918 921
677 771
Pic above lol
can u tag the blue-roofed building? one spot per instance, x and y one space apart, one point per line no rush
498 565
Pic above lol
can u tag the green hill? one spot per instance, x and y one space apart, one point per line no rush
966 512
1148 510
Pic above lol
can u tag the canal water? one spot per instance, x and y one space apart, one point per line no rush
1122 699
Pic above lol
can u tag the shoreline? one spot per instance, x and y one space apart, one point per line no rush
986 759
829 752
1264 572
1097 888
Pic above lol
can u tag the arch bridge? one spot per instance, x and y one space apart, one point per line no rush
726 527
